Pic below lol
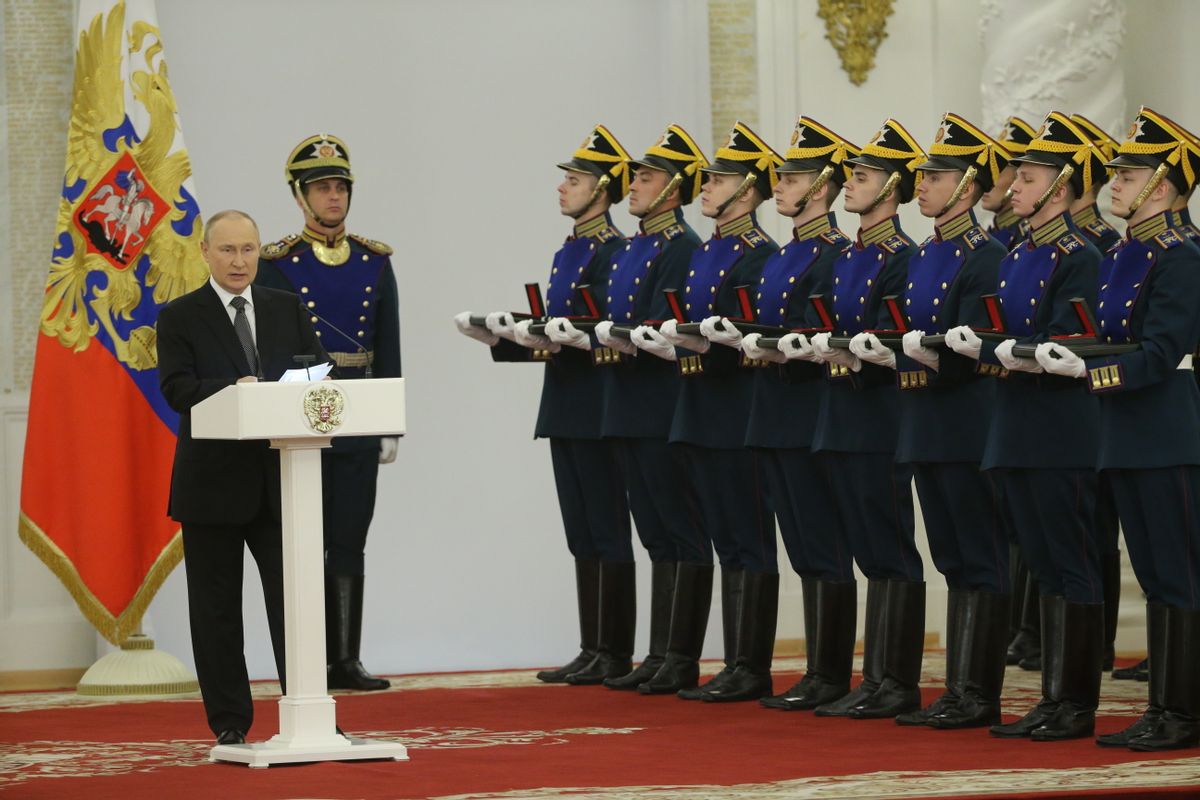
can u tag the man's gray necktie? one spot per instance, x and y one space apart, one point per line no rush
241 324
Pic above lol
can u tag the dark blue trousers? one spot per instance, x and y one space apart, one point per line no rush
1158 509
733 506
1054 512
874 497
591 497
801 495
665 510
348 479
961 509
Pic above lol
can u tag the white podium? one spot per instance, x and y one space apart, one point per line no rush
300 419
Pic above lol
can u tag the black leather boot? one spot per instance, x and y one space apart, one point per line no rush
662 593
689 622
1179 724
587 591
1053 607
1026 649
873 649
618 623
731 606
1156 639
904 647
955 664
829 618
1110 571
1138 672
1079 675
751 678
982 641
343 635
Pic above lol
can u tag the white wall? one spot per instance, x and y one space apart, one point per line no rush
455 113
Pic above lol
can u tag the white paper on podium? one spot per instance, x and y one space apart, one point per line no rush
314 373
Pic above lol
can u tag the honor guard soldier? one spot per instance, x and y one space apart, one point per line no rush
1042 438
347 285
709 423
783 412
639 399
857 428
587 475
1006 227
1086 213
1150 415
944 414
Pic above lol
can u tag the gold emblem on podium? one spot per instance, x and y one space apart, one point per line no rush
323 407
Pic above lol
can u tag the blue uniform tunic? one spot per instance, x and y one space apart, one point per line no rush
945 412
858 420
783 409
1043 436
1008 229
1150 409
709 422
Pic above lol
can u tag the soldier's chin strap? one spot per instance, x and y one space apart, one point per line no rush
967 178
601 185
738 194
298 189
817 184
890 186
1160 172
672 185
1067 171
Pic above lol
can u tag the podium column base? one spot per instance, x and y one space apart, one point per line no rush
266 754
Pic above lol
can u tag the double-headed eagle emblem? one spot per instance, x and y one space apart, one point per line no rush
127 226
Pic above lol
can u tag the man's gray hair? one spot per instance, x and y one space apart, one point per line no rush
229 213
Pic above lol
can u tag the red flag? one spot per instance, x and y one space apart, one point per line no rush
101 438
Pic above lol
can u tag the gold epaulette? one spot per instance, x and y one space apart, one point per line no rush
275 250
378 248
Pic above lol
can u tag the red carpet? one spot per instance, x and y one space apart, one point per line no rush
500 735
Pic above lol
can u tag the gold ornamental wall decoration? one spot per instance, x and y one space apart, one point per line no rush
856 28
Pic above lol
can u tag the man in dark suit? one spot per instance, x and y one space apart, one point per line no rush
226 493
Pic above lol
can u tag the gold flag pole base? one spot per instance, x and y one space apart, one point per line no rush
137 669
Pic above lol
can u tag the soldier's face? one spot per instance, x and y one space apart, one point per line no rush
934 191
646 185
1126 185
1030 184
864 186
716 190
329 199
791 189
231 250
994 200
574 192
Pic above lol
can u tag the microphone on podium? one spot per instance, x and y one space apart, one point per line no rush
367 373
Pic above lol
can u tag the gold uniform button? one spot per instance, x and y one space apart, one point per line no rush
705 250
945 285
1003 284
311 304
362 319
792 279
783 251
936 301
369 290
957 253
313 320
721 274
737 247
692 274
303 290
366 304
361 334
366 257
554 271
318 334
295 259
637 281
648 263
1016 256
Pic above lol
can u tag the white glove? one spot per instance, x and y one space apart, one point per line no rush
501 323
796 346
964 341
726 334
911 343
697 344
561 331
463 321
868 347
387 449
605 337
752 350
533 341
829 355
646 338
1059 360
1014 363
